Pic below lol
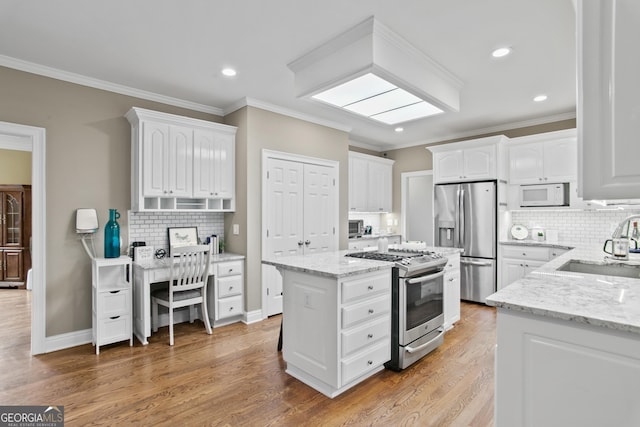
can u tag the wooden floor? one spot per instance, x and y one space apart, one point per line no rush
235 377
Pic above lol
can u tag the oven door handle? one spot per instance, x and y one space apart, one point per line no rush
422 279
478 263
421 346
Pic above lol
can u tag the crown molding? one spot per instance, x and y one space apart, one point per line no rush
482 131
252 102
30 67
365 145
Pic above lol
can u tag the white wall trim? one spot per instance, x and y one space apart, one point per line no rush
404 176
253 316
66 76
68 340
272 154
33 139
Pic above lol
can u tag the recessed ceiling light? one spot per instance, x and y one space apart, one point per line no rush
540 98
229 72
500 52
399 129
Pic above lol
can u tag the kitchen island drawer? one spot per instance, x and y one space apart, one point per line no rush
363 287
228 307
361 336
365 310
360 364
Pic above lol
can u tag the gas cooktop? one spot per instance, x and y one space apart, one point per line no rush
410 262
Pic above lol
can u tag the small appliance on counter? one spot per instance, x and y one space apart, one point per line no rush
356 228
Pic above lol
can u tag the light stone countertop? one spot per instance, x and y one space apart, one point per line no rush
372 236
164 263
529 242
598 300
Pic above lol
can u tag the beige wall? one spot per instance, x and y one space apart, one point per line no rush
267 130
15 167
87 165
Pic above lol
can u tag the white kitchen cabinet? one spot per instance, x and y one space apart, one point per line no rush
608 99
370 183
228 291
372 242
552 372
472 160
544 158
451 291
111 303
517 261
180 164
336 332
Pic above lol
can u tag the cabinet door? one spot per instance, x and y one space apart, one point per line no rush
155 144
526 163
512 270
203 163
224 161
448 166
358 186
379 187
11 230
12 265
529 266
561 160
451 297
479 163
180 161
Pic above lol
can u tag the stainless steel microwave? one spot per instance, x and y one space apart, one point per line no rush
356 227
537 195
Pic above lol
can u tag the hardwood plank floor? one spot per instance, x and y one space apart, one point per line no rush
235 377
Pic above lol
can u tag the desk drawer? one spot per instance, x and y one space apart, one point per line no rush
229 286
231 268
228 307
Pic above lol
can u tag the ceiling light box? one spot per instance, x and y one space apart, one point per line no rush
371 71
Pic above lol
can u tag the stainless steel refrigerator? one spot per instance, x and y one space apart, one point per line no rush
465 217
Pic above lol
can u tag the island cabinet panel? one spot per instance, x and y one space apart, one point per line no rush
552 372
336 331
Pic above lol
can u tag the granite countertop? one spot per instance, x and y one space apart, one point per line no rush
164 263
372 236
598 300
328 264
529 242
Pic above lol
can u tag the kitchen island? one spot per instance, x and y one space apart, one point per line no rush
336 318
568 347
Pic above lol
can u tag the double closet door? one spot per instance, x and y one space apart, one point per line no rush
301 209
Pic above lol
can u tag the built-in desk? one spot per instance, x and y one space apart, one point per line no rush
148 273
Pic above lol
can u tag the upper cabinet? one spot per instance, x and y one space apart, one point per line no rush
180 164
608 98
370 183
471 160
543 158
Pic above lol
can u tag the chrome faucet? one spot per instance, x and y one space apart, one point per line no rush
620 244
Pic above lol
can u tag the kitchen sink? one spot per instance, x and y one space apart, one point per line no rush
618 269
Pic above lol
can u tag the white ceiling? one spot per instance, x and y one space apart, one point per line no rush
176 49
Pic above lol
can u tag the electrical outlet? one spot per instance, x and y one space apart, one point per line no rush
236 229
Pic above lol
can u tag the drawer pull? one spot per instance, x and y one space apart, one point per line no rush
371 311
369 362
113 292
230 308
370 287
230 288
231 270
370 336
451 279
114 317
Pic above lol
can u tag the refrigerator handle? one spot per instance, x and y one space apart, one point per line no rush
461 219
456 231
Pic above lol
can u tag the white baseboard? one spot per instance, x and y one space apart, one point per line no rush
253 316
68 340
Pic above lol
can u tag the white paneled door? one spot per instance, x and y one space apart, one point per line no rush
300 206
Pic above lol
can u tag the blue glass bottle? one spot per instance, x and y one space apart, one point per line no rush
112 235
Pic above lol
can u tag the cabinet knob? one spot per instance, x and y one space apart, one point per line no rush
230 308
307 242
369 362
521 265
230 288
451 279
370 336
524 254
370 287
371 311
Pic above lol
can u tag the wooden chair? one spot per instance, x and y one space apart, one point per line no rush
187 287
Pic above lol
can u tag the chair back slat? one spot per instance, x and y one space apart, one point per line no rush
190 269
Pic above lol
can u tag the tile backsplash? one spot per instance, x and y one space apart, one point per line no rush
574 227
151 227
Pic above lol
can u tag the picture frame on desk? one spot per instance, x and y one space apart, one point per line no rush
144 254
182 236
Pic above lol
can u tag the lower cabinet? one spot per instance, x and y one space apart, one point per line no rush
452 291
112 303
228 292
520 260
336 332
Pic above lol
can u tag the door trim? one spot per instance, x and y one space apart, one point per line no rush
30 138
404 177
281 155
